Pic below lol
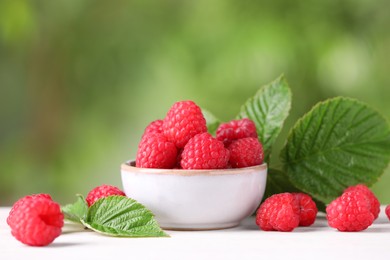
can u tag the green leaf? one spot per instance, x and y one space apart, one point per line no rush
122 216
339 143
77 211
268 109
211 121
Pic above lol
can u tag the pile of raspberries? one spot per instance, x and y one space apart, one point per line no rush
181 141
354 210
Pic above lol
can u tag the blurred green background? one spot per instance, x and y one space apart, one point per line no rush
80 79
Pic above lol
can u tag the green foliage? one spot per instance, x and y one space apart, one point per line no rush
122 216
77 211
268 108
339 143
114 216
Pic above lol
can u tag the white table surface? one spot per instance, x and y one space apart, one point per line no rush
243 242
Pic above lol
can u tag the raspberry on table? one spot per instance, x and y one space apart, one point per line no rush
36 220
350 212
280 212
102 191
236 129
204 152
154 127
183 121
155 151
375 204
246 152
387 211
307 209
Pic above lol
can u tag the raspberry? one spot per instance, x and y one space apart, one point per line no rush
36 220
279 212
155 151
246 152
102 191
21 201
350 212
183 121
387 211
375 205
154 127
204 152
236 129
308 209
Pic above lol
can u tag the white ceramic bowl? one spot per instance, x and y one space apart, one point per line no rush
196 199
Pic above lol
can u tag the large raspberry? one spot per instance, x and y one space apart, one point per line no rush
154 127
387 211
246 152
22 201
155 151
36 220
307 209
183 121
350 212
236 129
204 152
375 204
279 212
102 191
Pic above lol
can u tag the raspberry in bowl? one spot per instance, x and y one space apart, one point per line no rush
192 180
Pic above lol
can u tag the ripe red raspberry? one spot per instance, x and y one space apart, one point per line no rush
350 212
307 209
102 191
155 151
246 152
236 129
183 121
21 201
155 127
375 205
204 152
279 212
36 220
387 211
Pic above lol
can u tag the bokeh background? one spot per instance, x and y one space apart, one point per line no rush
80 79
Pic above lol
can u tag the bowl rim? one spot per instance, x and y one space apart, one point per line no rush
129 166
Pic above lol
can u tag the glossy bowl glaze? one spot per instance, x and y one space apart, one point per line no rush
196 199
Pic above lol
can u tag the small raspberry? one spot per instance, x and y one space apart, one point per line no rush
204 152
183 121
155 151
246 152
375 205
387 211
154 127
307 208
102 191
36 220
236 129
279 212
350 212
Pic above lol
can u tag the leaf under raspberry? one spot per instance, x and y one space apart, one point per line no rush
77 211
122 216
